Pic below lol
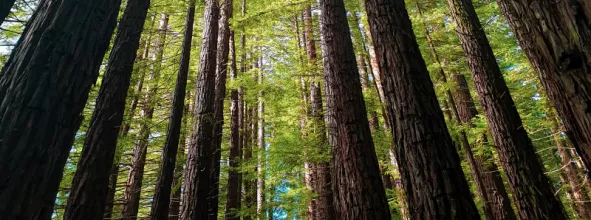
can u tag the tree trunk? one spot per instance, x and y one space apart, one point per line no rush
43 88
532 191
175 200
5 7
430 168
248 183
233 200
92 176
201 157
133 187
492 189
357 185
556 37
161 199
261 152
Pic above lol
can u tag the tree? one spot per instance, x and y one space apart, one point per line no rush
92 176
5 7
532 192
133 188
201 157
555 36
162 195
357 185
423 145
44 86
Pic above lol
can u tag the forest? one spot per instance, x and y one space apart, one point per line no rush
295 109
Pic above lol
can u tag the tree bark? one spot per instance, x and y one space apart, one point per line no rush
92 176
43 88
133 187
261 152
532 191
492 189
357 185
5 7
201 157
161 199
430 168
233 200
556 37
175 200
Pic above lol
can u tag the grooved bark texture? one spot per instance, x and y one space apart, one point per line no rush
5 7
43 89
429 164
201 157
532 191
556 37
161 199
497 204
92 176
234 176
357 185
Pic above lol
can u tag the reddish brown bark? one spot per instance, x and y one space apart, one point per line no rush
43 89
357 185
233 199
429 164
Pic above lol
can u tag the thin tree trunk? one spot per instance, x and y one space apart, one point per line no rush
43 89
133 187
532 191
497 203
175 201
233 200
161 199
430 168
261 152
556 37
201 157
357 185
248 183
5 7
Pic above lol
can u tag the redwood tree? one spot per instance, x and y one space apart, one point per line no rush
532 191
556 37
43 88
429 164
92 176
201 157
5 7
162 194
357 185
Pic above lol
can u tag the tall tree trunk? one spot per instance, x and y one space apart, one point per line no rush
5 7
497 203
489 183
325 209
92 176
261 152
175 200
556 37
233 201
532 191
161 199
133 187
430 168
201 157
248 183
220 96
357 185
43 88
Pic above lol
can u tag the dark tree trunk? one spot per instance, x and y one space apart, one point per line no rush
357 185
324 202
430 168
220 96
162 194
492 189
175 200
5 7
92 176
201 157
133 187
532 191
247 147
43 88
556 37
233 200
